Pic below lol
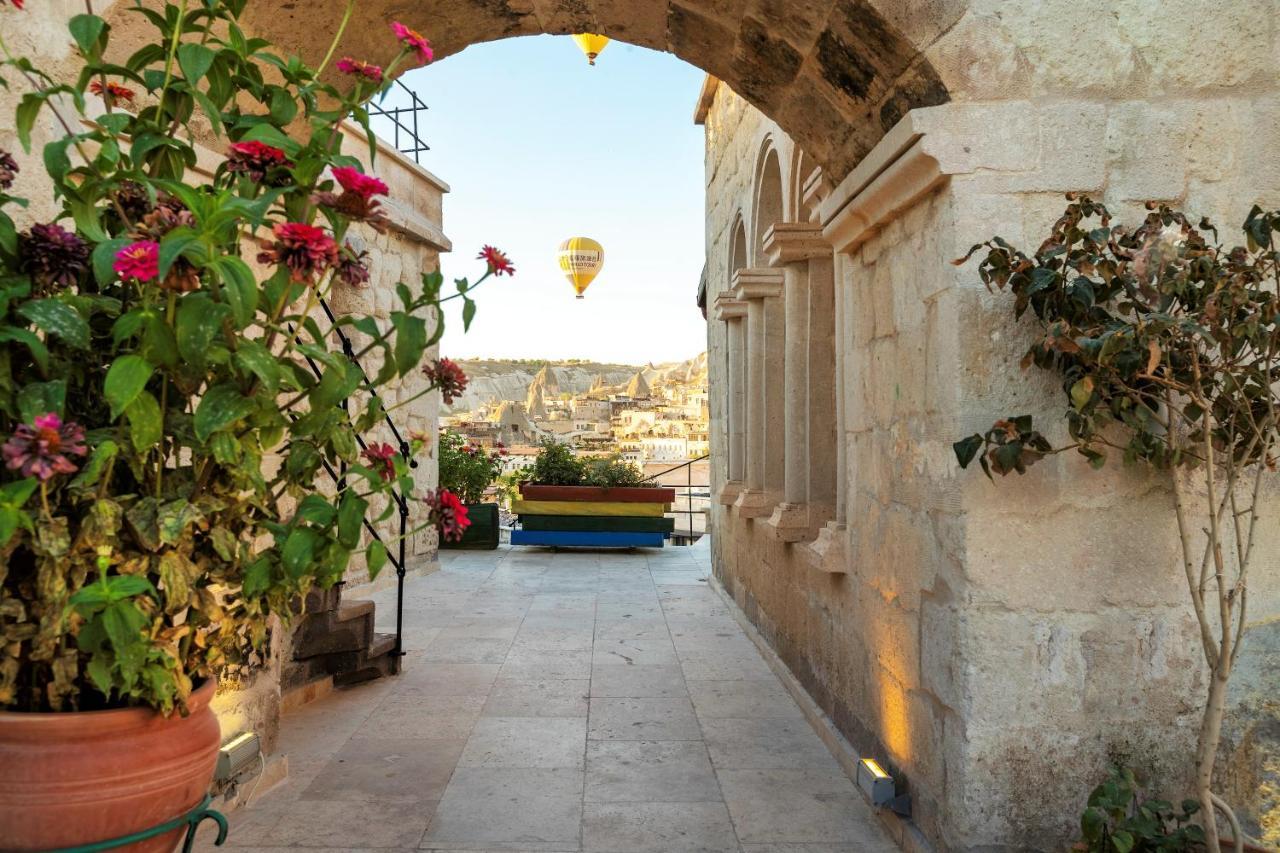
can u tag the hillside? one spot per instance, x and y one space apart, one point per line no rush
496 380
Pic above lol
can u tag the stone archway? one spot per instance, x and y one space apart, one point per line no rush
835 74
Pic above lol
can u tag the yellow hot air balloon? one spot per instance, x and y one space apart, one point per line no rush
591 44
581 259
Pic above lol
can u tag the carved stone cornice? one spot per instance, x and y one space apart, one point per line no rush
788 242
728 308
813 192
757 283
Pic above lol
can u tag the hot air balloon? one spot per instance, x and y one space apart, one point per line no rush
591 44
581 258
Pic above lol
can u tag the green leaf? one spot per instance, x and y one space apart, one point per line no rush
224 543
25 118
56 161
1122 841
59 319
351 512
411 340
39 353
123 622
1082 393
174 244
375 558
221 406
967 448
241 289
468 312
253 358
15 494
257 576
87 30
178 575
198 322
146 423
317 510
98 463
125 380
41 397
104 259
299 550
194 60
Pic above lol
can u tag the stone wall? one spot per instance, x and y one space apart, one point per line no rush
997 647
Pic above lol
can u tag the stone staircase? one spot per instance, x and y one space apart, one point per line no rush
336 638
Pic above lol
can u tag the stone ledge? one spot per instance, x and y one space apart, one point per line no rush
826 553
790 523
729 493
789 242
754 503
757 283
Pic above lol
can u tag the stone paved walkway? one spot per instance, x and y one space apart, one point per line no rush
563 702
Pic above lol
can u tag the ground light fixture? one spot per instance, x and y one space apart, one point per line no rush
237 755
880 788
591 44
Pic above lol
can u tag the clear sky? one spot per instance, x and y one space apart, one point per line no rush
537 147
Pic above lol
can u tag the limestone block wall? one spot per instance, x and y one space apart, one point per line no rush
996 646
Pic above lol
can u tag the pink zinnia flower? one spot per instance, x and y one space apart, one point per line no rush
445 374
140 260
499 263
355 181
254 159
360 68
447 513
305 249
413 40
40 450
17 4
383 458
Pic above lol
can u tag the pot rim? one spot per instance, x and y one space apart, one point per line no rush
90 725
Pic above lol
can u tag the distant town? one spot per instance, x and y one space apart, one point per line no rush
653 416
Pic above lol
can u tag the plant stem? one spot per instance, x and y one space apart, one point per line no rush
333 45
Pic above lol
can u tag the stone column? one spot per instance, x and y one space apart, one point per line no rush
792 247
734 313
755 286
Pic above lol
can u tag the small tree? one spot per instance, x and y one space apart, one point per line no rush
1167 345
467 469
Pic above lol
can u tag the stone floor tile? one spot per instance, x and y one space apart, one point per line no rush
719 666
530 664
649 771
523 742
657 828
331 823
680 578
569 637
466 650
743 699
633 651
510 809
538 698
456 679
638 682
643 719
812 848
800 806
392 769
766 744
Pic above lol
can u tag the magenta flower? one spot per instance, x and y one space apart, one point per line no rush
445 374
305 249
497 261
351 269
413 40
140 260
447 513
40 450
383 458
254 159
355 181
360 68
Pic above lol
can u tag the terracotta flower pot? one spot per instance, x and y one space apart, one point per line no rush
76 778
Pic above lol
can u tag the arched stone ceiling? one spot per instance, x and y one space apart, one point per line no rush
835 74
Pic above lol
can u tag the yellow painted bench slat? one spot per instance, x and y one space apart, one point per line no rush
597 508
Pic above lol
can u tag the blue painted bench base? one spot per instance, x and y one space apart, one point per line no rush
587 539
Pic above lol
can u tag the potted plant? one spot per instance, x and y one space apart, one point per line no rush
155 342
468 470
595 501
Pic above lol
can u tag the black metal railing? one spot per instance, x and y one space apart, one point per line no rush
404 122
692 535
398 560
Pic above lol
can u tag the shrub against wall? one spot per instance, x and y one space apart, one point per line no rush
1168 346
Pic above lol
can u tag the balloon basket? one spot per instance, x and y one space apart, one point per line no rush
579 296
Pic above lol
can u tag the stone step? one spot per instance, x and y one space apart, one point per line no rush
345 630
378 660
